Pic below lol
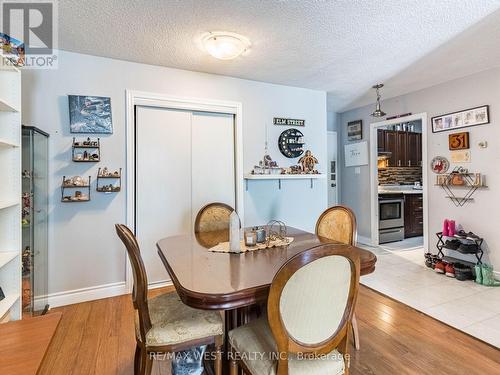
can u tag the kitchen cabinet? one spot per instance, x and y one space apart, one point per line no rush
380 140
405 147
414 215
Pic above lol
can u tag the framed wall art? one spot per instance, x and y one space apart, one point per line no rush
462 119
458 141
90 114
355 130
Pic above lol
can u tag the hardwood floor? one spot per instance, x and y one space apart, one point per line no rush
98 338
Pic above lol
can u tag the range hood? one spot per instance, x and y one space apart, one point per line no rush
382 155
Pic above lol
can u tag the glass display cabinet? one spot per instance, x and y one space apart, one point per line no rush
34 221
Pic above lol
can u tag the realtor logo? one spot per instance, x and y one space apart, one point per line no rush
34 23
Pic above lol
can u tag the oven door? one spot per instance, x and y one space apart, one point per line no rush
391 213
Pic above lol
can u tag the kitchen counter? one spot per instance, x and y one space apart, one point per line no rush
398 189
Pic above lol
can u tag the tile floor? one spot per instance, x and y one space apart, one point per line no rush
465 305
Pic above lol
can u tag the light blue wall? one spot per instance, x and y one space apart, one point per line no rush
84 250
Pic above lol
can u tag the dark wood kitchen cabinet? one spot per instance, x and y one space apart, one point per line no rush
414 150
405 147
414 215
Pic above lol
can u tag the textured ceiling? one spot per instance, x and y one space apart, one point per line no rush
342 47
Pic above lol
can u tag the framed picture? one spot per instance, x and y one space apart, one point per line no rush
355 130
90 114
458 141
461 119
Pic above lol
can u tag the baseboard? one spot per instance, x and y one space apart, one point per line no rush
364 240
70 297
160 284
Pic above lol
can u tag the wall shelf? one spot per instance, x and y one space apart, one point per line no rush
8 302
7 256
8 203
7 107
280 177
7 144
90 151
72 198
115 180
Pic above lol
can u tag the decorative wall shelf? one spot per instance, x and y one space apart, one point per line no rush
89 149
467 183
7 107
7 144
7 256
73 198
109 187
280 177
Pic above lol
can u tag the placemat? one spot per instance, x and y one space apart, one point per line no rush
223 247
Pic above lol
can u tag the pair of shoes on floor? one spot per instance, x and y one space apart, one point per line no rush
485 275
462 272
445 268
467 235
431 260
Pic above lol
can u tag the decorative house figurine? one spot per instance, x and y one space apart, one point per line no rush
234 233
308 161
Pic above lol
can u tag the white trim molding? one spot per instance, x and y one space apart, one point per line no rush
374 174
70 297
142 98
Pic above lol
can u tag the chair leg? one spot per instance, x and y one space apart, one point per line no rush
137 360
233 364
146 362
218 360
355 332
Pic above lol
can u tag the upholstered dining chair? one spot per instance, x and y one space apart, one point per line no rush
164 324
338 223
213 217
309 311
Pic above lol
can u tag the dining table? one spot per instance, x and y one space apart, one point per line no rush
235 283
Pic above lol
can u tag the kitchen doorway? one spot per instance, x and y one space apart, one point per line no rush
399 183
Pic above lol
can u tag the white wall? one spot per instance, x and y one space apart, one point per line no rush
481 216
84 249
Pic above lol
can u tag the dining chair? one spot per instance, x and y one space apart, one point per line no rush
309 312
213 217
338 223
164 324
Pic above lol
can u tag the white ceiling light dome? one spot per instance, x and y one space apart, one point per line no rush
225 45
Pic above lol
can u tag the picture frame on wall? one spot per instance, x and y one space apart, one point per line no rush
90 114
461 119
458 141
355 130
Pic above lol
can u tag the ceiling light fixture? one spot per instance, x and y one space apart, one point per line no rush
225 45
378 112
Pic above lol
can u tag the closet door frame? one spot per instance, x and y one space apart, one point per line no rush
147 99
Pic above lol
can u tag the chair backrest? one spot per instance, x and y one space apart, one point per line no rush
212 217
337 223
140 290
311 301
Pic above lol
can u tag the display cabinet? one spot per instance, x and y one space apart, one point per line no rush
34 220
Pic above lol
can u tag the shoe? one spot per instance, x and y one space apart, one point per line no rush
479 274
452 244
446 226
428 260
451 228
440 267
468 248
449 270
461 234
488 276
472 237
462 272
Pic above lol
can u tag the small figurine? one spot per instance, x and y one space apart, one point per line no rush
308 161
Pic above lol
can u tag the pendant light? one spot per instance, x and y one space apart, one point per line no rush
378 112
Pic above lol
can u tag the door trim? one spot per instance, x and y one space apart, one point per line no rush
374 174
148 99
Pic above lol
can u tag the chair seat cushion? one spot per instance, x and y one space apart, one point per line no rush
173 322
255 344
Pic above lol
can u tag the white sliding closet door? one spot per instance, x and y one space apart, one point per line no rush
212 160
184 160
163 181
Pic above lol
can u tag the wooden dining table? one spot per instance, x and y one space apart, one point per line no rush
223 281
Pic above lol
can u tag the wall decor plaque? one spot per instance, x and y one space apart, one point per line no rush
458 141
291 143
440 165
460 156
288 121
461 119
355 130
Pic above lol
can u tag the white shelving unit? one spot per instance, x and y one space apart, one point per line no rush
280 177
10 192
